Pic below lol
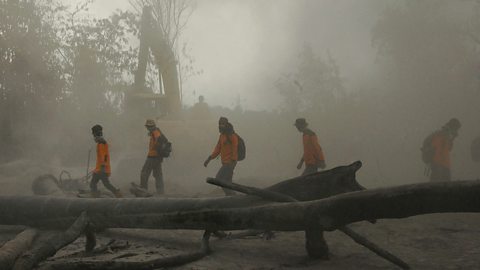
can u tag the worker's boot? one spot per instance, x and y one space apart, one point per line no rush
118 194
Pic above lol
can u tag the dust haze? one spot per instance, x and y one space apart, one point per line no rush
373 79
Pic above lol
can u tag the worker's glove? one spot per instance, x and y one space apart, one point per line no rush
207 161
321 164
300 164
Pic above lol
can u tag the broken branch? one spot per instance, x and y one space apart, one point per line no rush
15 247
48 246
175 260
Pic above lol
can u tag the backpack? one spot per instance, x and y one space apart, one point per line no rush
242 149
427 149
475 150
166 149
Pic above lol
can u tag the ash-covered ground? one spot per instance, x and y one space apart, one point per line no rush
437 241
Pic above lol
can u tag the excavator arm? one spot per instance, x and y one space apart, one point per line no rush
152 39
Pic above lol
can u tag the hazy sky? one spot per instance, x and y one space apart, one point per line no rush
243 46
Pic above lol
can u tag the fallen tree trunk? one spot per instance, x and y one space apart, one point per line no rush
329 214
315 243
47 246
249 212
15 247
171 261
37 210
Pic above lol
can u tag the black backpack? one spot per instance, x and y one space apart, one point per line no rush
166 149
427 149
242 149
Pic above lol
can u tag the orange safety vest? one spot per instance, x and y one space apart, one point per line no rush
312 152
227 148
153 144
103 158
442 145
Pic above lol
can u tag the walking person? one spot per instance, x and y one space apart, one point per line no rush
102 169
312 151
227 148
436 151
158 148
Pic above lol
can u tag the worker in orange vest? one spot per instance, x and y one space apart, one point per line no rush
102 169
227 148
436 151
312 152
155 156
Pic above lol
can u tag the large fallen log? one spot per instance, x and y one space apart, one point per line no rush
328 214
15 247
44 211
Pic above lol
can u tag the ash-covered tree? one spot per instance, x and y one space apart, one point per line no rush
98 59
30 73
314 86
55 66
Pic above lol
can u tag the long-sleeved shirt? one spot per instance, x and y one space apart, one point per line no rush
442 145
156 140
312 152
227 148
103 157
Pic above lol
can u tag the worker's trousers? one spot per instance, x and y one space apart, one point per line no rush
225 174
96 177
152 164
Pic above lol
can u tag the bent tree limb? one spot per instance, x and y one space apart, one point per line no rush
262 193
45 247
315 241
15 247
171 261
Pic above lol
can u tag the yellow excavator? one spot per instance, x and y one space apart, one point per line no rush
140 98
186 129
